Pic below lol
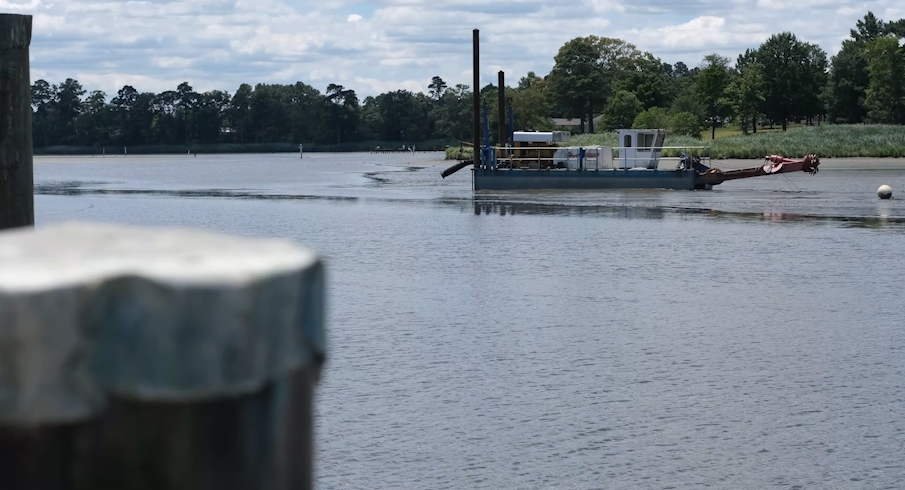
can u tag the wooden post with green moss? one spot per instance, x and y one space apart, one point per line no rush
16 175
155 359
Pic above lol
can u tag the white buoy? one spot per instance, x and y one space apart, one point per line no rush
884 192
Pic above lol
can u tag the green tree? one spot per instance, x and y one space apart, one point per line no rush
239 113
647 78
165 127
436 88
846 94
848 81
42 95
304 111
868 29
452 115
685 124
814 79
123 105
67 106
142 119
529 81
746 95
344 111
621 110
211 116
712 84
886 92
404 116
275 115
370 118
585 73
97 119
896 28
531 108
789 77
653 118
576 81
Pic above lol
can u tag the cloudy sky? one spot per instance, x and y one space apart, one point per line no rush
378 45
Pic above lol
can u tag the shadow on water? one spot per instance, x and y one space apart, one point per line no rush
80 188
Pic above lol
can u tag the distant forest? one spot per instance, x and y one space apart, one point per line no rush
785 79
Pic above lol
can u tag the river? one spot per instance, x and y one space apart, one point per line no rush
752 336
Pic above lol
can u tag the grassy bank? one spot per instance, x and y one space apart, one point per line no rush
431 145
828 141
459 153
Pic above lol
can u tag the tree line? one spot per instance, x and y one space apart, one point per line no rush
593 79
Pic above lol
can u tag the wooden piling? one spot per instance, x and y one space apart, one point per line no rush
17 207
154 359
476 97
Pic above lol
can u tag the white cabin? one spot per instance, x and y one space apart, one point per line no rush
640 148
541 136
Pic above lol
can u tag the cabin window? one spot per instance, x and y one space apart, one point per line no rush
646 142
627 143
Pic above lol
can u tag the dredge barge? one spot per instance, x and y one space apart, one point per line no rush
638 164
539 160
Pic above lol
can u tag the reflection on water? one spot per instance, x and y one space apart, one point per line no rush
660 212
748 337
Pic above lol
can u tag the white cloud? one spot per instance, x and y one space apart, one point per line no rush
19 4
704 33
391 44
172 62
606 5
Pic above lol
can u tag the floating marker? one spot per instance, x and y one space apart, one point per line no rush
884 192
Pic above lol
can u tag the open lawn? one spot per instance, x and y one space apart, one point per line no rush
728 132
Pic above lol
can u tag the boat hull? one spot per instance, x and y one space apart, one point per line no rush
582 179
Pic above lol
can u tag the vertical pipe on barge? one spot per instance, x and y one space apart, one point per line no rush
476 105
501 115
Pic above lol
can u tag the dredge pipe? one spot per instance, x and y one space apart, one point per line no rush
455 168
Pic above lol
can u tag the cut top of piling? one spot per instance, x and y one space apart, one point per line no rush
15 31
90 311
82 253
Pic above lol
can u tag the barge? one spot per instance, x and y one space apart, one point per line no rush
638 164
540 160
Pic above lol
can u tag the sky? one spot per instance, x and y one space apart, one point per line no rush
378 45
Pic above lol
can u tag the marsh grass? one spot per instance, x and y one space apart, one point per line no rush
828 141
459 153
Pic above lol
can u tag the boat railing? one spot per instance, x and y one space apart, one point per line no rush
591 158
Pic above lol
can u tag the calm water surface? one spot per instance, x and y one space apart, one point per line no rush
748 337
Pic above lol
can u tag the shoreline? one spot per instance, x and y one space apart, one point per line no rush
837 163
436 159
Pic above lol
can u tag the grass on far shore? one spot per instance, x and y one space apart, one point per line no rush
828 141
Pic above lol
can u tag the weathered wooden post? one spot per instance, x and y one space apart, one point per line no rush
17 206
154 359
